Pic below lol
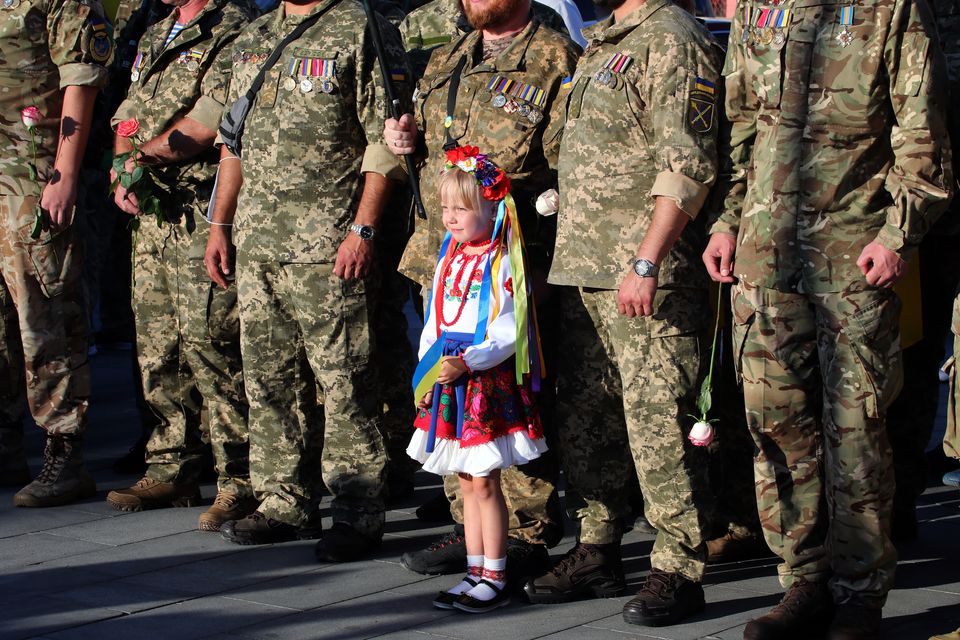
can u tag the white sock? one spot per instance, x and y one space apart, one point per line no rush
474 572
494 572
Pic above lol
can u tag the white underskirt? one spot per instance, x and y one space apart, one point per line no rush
478 460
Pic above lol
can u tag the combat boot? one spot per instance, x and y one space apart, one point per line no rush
343 543
62 479
586 571
153 494
804 612
665 598
13 461
855 622
735 545
446 555
226 506
257 528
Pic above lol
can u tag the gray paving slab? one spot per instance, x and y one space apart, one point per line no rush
36 520
37 581
29 619
31 548
133 527
183 621
122 596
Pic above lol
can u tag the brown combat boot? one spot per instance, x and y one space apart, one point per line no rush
62 479
226 506
13 461
855 622
736 545
152 494
804 612
665 598
586 571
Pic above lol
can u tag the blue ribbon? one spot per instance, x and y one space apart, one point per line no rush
454 344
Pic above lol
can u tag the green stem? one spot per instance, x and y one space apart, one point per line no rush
716 329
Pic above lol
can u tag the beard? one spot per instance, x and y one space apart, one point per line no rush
609 5
493 13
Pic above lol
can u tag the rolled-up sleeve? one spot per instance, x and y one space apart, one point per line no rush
80 43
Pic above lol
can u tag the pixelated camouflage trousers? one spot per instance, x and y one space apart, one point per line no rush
188 349
43 333
819 371
301 327
627 386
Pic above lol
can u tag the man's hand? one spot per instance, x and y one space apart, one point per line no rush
636 294
718 257
125 200
451 368
880 266
58 199
218 258
426 401
354 257
401 135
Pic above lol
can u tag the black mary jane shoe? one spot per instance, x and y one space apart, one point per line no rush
470 604
445 599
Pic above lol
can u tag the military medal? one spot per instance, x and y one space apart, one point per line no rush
781 22
511 106
498 101
11 4
326 86
193 66
290 83
844 38
535 116
747 25
306 85
615 66
310 70
135 69
603 77
524 109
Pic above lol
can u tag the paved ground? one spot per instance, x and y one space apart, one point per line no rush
86 571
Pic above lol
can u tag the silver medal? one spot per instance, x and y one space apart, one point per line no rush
524 110
534 116
290 84
134 76
499 100
306 85
326 86
11 4
604 76
193 66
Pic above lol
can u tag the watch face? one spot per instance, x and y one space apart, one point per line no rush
366 232
643 268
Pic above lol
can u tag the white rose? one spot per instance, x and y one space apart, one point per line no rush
702 434
548 203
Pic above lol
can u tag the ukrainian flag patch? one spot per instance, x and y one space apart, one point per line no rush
701 108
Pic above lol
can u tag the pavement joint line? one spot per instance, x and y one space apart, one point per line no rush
631 633
262 604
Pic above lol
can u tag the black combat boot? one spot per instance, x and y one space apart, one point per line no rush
62 479
586 571
804 612
855 622
13 461
446 555
257 528
343 543
665 598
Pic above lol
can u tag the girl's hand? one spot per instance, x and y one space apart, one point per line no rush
452 368
426 401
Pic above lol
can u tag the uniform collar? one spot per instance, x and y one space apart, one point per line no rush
281 18
190 32
609 31
510 60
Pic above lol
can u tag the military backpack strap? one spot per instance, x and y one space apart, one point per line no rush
452 103
231 129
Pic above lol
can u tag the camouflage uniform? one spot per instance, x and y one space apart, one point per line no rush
188 328
651 119
303 155
45 45
526 148
816 175
951 439
440 22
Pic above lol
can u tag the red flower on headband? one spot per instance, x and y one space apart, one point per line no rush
499 188
459 154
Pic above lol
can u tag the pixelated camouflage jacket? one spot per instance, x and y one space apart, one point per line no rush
315 127
45 45
440 22
522 135
838 138
641 123
167 84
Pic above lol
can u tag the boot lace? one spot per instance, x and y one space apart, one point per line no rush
796 599
660 583
225 501
55 457
572 558
144 483
451 538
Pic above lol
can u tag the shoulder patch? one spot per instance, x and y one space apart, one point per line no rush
702 105
100 43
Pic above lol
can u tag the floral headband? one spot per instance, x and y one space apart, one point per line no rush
494 183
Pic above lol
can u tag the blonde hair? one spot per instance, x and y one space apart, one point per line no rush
461 188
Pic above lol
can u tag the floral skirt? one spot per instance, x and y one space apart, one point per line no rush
501 426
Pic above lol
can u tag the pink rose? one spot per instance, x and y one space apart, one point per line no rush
128 128
702 434
31 117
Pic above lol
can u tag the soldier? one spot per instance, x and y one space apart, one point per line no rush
49 84
315 177
502 85
188 331
839 165
640 121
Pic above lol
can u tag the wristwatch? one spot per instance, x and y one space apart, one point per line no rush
644 268
365 231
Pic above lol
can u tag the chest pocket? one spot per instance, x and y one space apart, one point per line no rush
314 86
246 66
24 27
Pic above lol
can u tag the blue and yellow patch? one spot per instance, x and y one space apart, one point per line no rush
101 44
702 107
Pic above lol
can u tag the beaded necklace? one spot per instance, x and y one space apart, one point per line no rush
460 287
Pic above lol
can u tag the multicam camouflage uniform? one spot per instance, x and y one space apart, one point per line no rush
188 328
816 176
440 22
524 142
45 45
640 121
315 127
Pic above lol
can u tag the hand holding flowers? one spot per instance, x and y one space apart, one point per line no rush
701 434
31 116
135 178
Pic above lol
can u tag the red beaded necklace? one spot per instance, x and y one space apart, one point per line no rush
458 282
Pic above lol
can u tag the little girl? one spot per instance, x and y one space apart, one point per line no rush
478 352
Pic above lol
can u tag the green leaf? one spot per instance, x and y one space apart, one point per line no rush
33 172
113 185
37 224
137 174
126 180
119 162
705 401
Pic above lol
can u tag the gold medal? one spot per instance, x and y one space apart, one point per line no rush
289 84
193 66
766 37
